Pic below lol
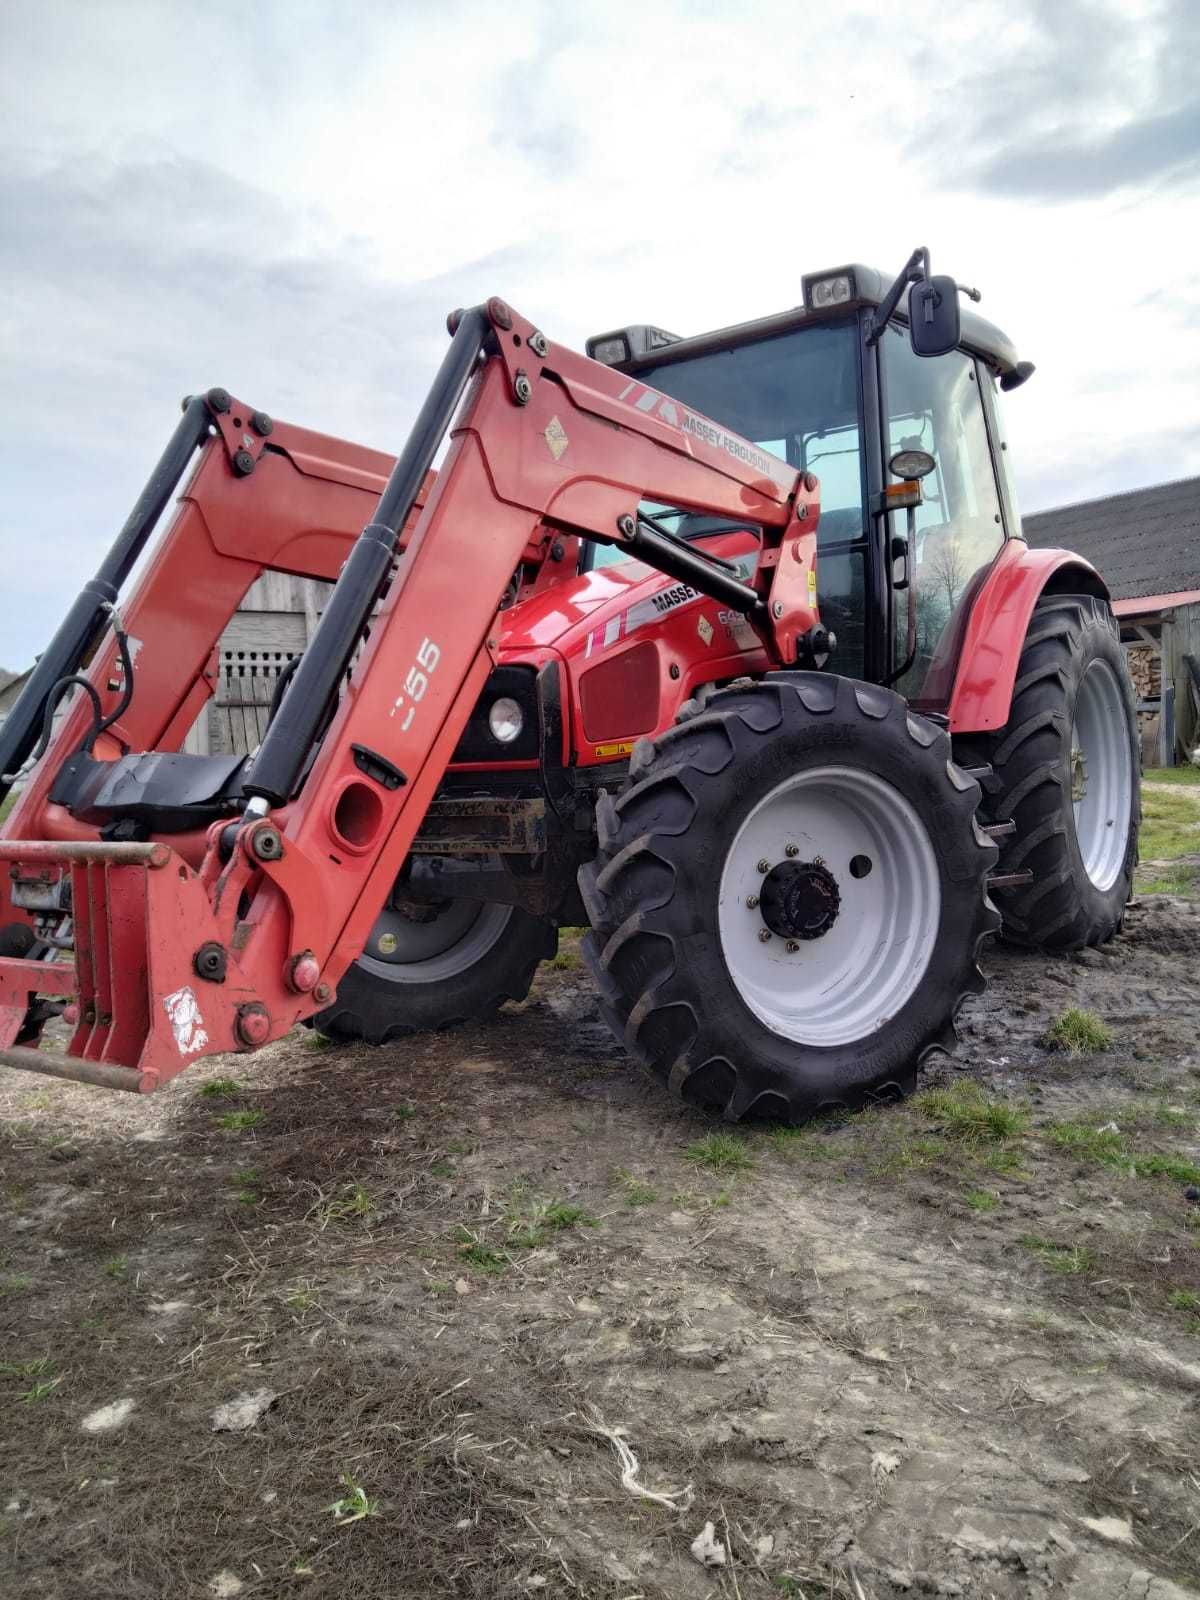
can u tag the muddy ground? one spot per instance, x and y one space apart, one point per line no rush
947 1349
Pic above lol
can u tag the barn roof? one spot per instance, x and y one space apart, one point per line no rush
1145 543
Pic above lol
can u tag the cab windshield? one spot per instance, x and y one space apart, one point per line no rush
796 395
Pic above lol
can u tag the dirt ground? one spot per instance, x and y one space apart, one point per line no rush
947 1349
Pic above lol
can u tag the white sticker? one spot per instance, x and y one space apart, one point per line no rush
186 1022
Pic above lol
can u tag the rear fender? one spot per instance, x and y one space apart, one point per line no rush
991 649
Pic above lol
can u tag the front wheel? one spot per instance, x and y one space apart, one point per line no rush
428 967
1066 772
789 898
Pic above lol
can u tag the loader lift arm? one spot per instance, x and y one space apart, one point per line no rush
178 957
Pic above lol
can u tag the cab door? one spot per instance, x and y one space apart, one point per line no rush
937 404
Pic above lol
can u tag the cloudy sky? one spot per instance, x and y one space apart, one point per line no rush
286 198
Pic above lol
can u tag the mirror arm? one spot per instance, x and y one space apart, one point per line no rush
915 270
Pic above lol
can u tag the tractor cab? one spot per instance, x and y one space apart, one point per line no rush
895 410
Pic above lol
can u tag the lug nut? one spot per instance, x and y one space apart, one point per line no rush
304 972
791 947
791 850
764 935
764 865
253 1024
751 902
323 994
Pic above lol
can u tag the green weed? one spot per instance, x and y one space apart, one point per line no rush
1090 1144
1176 1167
41 1390
981 1199
249 1188
720 1152
1183 1300
354 1505
481 1256
219 1089
965 1112
1068 1259
1078 1033
116 1267
240 1121
354 1205
636 1192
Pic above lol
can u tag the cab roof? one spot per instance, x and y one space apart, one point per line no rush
868 287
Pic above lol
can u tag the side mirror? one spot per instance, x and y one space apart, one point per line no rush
934 326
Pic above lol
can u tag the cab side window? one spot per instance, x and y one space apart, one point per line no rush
935 405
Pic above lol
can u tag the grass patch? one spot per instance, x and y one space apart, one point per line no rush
475 1253
1089 1144
249 1188
965 1112
1067 1259
909 1155
320 1041
1187 776
354 1505
1170 825
536 1223
1183 1300
219 1089
354 1206
1181 879
25 1369
116 1267
567 960
635 1191
1176 1167
720 1152
240 1121
42 1389
981 1200
1078 1033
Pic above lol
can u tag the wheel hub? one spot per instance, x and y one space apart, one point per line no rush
800 899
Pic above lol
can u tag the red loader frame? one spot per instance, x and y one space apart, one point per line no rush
193 944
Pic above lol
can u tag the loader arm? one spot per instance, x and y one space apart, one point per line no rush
186 945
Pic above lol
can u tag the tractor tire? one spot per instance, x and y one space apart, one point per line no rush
428 968
1066 770
789 898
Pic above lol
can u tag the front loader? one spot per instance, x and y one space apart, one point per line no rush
581 671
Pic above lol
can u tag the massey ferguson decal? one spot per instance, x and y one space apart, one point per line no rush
689 423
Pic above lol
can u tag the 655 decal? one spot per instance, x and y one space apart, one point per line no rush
416 682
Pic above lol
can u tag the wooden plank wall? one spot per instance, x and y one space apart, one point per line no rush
274 623
1181 637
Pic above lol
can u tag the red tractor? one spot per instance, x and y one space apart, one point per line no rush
728 646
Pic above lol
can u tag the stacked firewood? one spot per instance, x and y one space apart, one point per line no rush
1145 668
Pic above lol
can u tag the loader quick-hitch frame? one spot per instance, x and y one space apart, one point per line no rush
176 944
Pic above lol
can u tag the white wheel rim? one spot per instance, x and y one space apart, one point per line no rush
459 934
843 985
1101 775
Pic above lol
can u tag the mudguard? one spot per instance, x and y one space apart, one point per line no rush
996 629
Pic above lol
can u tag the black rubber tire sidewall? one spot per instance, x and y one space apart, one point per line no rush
1062 909
376 1009
858 725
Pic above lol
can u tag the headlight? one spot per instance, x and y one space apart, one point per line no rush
505 720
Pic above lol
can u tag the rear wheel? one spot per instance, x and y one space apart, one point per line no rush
427 967
789 897
1066 772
